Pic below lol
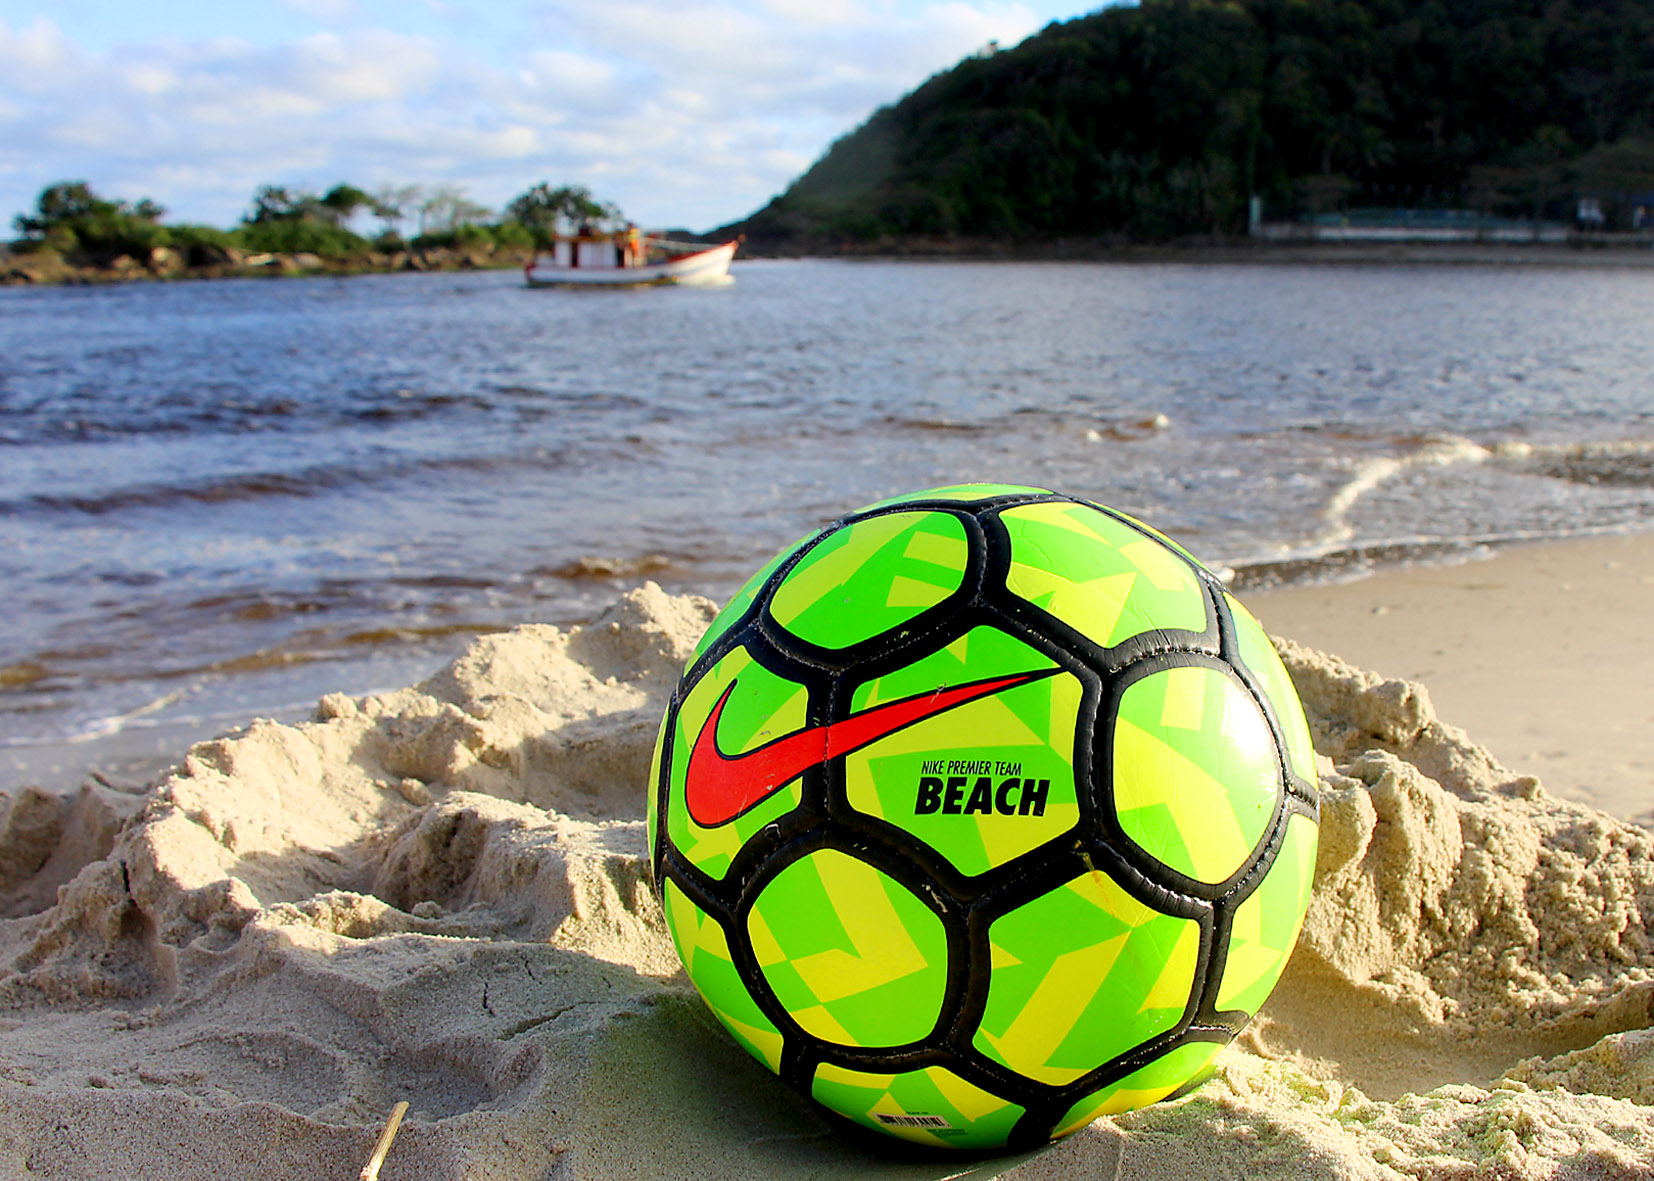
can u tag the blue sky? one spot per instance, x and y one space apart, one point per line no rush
685 112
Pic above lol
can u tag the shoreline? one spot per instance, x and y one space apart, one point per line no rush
1237 252
1490 633
45 269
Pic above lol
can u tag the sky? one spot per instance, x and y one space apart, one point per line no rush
686 113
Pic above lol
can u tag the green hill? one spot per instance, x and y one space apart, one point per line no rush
1158 121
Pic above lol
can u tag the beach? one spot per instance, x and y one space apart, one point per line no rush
439 895
1541 652
364 601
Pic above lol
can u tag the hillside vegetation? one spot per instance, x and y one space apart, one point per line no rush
1160 120
75 234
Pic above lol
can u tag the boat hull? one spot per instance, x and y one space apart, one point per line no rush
703 268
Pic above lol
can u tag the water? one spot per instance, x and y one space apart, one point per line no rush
224 499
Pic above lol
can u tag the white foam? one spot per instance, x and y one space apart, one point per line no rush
1520 453
103 727
1375 472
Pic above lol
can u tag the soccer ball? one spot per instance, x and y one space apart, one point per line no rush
982 813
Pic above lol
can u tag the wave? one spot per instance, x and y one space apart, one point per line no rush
1350 563
1332 552
304 482
22 674
47 673
1627 463
596 566
219 408
1624 464
1374 472
912 423
170 711
1129 428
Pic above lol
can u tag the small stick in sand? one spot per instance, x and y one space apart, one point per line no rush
370 1171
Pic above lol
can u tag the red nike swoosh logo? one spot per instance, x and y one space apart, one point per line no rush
718 787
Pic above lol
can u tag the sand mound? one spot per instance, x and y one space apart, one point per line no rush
440 895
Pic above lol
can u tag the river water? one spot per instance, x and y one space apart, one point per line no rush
226 498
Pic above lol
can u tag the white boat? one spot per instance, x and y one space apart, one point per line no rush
628 259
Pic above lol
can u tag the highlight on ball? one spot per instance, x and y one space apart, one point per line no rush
982 813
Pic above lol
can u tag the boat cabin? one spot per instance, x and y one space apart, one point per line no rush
599 251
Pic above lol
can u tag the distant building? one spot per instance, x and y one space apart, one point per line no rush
1407 225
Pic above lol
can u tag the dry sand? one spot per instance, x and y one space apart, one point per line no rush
439 895
1545 653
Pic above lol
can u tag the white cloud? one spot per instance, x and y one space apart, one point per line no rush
339 70
38 56
564 80
149 79
689 113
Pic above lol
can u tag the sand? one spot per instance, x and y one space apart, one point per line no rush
1543 652
439 895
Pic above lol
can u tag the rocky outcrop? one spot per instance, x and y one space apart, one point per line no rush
214 262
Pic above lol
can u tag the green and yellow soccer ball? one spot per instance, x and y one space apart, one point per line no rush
982 813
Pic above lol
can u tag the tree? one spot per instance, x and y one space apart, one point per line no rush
1623 174
447 209
72 202
293 221
468 213
342 201
69 216
541 207
391 204
57 204
278 203
1545 159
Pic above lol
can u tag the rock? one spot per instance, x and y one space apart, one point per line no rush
282 264
205 254
36 266
163 260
